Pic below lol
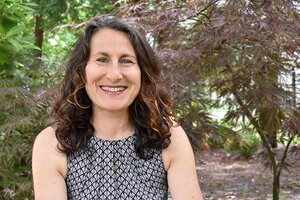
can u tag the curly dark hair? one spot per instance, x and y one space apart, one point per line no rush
150 112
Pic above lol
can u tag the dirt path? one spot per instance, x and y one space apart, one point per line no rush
223 176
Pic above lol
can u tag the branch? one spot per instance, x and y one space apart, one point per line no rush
254 123
285 154
200 12
72 26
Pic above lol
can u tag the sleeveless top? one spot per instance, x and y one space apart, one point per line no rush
110 169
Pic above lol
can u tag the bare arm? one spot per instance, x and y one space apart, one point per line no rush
48 168
182 177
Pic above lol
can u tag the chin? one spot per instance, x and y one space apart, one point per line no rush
114 108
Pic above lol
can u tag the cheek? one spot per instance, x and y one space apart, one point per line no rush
87 89
139 74
88 80
88 73
139 80
91 75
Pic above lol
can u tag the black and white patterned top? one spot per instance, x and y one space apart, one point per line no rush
112 170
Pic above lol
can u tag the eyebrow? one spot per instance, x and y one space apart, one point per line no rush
107 55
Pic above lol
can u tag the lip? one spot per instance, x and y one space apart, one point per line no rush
112 89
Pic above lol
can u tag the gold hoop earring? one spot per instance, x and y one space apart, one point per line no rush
74 95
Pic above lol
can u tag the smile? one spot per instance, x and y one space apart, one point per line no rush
113 89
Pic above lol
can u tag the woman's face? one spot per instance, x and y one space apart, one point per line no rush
113 76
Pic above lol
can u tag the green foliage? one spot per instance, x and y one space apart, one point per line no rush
22 116
55 12
57 44
26 80
246 144
235 51
14 44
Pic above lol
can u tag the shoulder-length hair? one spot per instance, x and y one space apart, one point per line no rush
150 112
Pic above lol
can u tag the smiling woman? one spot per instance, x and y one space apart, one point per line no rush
113 76
112 135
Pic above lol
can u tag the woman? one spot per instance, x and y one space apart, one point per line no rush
112 135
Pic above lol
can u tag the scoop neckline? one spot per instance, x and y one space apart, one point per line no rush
112 141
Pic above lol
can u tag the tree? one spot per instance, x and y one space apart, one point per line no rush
166 23
27 79
16 48
256 50
51 13
13 42
244 51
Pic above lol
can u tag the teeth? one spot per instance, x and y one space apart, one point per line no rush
113 89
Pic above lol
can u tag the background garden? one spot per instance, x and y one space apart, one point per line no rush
232 66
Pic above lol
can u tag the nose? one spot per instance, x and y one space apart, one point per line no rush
114 74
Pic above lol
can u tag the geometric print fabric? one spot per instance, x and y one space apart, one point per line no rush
110 170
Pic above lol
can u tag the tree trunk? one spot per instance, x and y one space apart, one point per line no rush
266 143
269 123
39 34
272 137
294 88
276 183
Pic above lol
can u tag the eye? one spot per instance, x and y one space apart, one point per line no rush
126 61
102 60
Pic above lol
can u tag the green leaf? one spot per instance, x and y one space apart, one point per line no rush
3 57
29 5
11 16
28 9
15 44
7 23
15 30
1 29
29 45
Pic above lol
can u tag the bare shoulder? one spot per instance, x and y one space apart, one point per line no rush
179 139
45 149
180 145
46 141
179 162
45 138
178 134
49 167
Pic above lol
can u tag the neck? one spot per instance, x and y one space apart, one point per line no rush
112 126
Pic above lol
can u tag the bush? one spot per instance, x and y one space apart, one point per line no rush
244 144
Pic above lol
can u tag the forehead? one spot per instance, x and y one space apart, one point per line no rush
111 40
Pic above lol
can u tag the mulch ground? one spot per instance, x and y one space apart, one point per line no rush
226 176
